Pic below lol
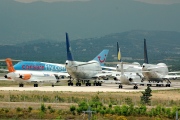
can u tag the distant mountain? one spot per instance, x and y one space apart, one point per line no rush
163 46
22 22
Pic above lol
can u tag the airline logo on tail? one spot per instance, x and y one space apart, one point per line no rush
10 65
118 53
102 61
101 58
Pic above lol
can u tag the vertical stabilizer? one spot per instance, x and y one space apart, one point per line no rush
10 65
118 53
145 52
101 57
69 54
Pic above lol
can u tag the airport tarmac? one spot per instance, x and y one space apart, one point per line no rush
104 88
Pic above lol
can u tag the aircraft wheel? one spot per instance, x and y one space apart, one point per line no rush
89 84
120 86
69 84
52 85
35 85
99 84
20 85
86 84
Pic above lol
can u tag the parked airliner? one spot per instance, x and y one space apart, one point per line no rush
156 72
26 76
84 70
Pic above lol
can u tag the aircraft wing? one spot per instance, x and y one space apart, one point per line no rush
171 76
174 72
102 75
155 67
108 68
43 79
5 70
84 64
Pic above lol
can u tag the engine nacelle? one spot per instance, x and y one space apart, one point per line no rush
6 76
115 78
25 76
130 79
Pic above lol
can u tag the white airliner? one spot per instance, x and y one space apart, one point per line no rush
57 69
83 70
128 74
128 78
134 67
23 76
156 73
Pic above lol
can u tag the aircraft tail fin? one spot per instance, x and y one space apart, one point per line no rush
101 57
10 65
145 52
118 53
68 47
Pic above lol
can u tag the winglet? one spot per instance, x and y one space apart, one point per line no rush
118 53
10 65
145 52
101 57
69 54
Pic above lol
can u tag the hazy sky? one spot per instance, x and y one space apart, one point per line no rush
160 1
50 19
30 1
146 1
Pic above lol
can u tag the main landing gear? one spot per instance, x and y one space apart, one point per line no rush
135 87
97 83
21 85
35 85
78 83
70 83
120 86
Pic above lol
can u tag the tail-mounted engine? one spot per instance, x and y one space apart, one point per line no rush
25 76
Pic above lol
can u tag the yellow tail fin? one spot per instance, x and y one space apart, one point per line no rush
10 65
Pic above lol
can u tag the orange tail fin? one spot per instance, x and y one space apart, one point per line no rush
10 65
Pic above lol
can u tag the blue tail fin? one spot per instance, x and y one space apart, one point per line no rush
69 54
145 52
101 57
118 53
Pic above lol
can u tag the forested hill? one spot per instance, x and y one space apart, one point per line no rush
163 46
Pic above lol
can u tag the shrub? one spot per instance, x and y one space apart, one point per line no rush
18 109
72 109
49 107
43 108
29 109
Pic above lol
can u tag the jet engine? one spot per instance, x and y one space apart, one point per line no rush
6 76
25 76
130 79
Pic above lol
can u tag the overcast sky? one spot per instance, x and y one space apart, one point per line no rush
50 19
166 2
